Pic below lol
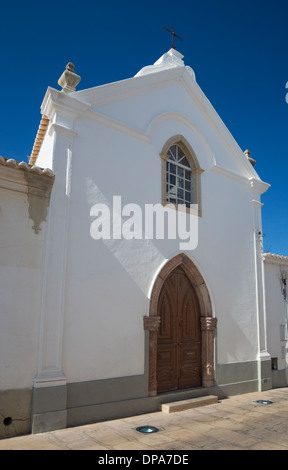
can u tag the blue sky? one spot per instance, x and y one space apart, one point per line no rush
238 50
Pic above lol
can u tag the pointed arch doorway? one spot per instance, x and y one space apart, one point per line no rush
179 335
181 329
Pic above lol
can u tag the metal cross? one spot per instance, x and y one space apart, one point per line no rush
174 35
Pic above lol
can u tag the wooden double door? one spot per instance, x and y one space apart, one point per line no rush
179 337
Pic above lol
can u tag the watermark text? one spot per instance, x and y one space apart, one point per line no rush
155 221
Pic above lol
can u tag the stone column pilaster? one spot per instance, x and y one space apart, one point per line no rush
152 324
208 326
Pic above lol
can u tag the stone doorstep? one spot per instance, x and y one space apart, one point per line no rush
187 404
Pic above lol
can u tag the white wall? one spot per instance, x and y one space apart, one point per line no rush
45 157
20 287
108 145
277 309
108 283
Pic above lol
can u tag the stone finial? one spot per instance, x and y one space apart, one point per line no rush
248 156
69 79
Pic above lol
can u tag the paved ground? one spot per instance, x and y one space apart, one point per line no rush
236 423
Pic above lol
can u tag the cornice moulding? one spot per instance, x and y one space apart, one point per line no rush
62 129
256 203
258 186
66 105
119 126
230 174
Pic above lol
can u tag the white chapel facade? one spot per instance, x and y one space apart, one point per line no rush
97 328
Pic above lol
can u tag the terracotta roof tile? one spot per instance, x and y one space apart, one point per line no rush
39 139
25 166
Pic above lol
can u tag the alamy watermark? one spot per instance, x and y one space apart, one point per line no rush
286 93
154 221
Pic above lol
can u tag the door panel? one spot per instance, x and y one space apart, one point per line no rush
179 338
168 312
167 356
167 367
189 368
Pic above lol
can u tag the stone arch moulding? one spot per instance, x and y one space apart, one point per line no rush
208 323
189 152
181 126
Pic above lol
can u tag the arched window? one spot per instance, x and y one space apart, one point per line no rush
180 175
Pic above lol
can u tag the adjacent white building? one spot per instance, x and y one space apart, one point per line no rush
102 316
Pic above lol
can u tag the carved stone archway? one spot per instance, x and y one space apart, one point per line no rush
208 323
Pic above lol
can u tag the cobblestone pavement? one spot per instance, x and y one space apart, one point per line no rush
236 423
